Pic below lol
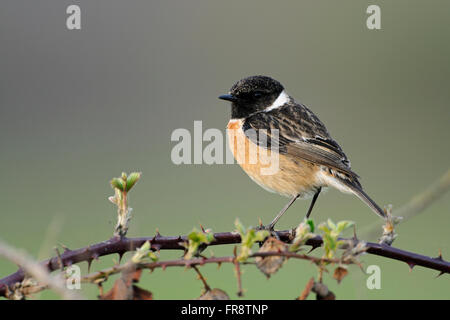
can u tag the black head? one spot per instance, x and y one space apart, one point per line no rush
252 94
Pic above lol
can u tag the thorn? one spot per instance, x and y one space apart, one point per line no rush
439 257
411 265
65 248
260 222
355 237
313 247
163 267
100 288
157 233
440 274
89 261
121 253
203 229
219 264
60 262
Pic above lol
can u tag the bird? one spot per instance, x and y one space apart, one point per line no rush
266 121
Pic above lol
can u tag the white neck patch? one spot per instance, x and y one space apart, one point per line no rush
282 99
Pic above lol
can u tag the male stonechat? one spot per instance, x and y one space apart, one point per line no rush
309 159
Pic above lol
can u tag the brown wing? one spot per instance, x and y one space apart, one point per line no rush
300 134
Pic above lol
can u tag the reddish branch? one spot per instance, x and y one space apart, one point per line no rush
121 245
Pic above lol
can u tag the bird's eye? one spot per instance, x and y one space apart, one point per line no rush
257 94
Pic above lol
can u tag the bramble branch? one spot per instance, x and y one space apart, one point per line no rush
117 245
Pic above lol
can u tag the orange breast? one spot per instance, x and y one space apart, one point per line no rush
274 172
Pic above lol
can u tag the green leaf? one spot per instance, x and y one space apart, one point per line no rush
331 242
302 234
239 227
311 224
132 179
324 228
342 225
261 235
117 183
144 252
248 238
196 238
331 224
153 256
340 243
209 237
145 246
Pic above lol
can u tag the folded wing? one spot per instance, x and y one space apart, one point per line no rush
300 135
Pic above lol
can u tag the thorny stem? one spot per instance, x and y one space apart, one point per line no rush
123 214
306 290
237 267
117 245
103 275
202 278
320 277
237 270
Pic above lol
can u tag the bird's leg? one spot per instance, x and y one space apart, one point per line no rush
275 220
280 214
271 226
311 206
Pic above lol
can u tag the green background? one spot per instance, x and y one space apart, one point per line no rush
79 107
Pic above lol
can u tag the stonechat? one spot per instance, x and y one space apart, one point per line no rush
309 159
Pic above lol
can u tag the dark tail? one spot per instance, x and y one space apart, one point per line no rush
357 189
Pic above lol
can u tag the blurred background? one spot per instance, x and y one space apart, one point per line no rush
79 107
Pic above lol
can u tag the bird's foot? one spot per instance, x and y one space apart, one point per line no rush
270 229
